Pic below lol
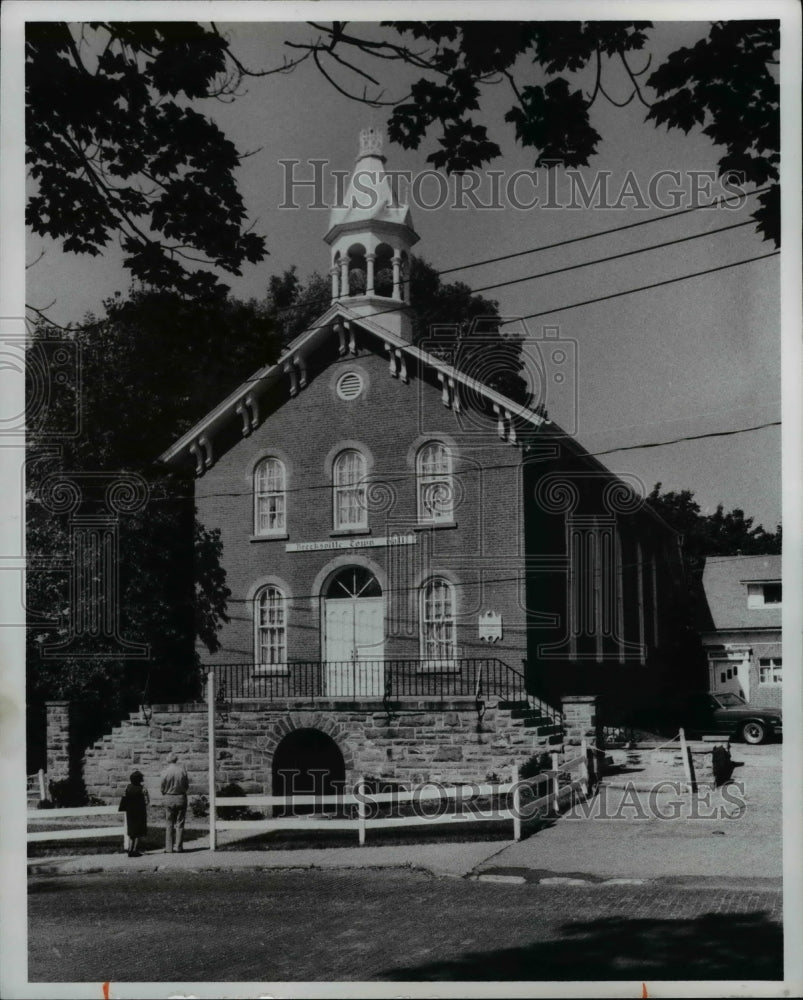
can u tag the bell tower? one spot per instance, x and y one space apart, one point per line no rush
370 236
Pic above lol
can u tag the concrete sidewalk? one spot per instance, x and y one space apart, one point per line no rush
731 832
455 860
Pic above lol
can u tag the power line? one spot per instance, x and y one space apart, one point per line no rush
716 203
450 560
654 284
586 302
691 437
408 477
616 256
602 298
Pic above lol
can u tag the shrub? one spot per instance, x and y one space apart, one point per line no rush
536 764
232 791
44 804
67 793
199 806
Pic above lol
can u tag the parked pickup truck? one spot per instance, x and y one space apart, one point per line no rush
732 716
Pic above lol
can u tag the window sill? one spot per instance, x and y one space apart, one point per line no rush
438 525
341 532
271 670
274 537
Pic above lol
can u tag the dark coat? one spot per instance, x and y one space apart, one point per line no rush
134 804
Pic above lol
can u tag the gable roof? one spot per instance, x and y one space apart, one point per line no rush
291 363
725 580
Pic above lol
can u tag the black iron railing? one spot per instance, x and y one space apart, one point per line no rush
381 679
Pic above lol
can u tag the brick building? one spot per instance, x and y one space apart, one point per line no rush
393 529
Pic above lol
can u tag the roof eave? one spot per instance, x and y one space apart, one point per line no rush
227 408
381 225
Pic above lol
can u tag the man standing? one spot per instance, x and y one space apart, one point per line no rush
174 790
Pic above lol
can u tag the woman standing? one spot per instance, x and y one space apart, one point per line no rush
134 804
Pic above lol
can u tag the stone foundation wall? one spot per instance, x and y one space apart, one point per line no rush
581 720
437 741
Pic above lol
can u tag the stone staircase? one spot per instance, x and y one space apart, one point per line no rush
534 719
134 744
432 740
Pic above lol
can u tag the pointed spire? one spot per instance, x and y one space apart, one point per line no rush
370 235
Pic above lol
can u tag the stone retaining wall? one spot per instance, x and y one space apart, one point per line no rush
438 741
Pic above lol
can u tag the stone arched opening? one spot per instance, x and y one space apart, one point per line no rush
309 760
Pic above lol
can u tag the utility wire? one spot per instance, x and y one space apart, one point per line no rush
586 302
368 484
690 437
654 284
615 256
716 203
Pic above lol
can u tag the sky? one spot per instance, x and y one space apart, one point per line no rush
694 357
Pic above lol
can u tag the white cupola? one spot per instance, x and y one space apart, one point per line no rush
370 235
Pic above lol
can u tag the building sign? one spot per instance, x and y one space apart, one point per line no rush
490 626
351 543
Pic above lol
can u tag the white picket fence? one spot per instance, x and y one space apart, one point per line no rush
551 801
36 785
555 787
74 832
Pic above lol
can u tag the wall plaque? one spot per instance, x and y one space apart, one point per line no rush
490 626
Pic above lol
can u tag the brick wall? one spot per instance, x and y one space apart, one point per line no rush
482 555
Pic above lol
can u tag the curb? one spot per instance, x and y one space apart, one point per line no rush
500 876
54 871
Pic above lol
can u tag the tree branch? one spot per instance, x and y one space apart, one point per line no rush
646 103
371 102
244 71
598 80
36 260
617 104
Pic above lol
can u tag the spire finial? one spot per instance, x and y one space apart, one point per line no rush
371 142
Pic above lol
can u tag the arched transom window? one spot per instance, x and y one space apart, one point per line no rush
435 485
438 638
270 500
271 627
348 480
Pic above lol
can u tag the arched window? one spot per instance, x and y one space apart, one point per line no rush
271 627
270 503
438 638
434 478
348 481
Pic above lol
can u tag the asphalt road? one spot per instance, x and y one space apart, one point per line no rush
397 925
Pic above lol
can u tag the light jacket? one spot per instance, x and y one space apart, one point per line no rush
175 780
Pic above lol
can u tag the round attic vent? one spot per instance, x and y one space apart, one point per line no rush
349 385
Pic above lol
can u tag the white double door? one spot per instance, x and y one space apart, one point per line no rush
354 642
